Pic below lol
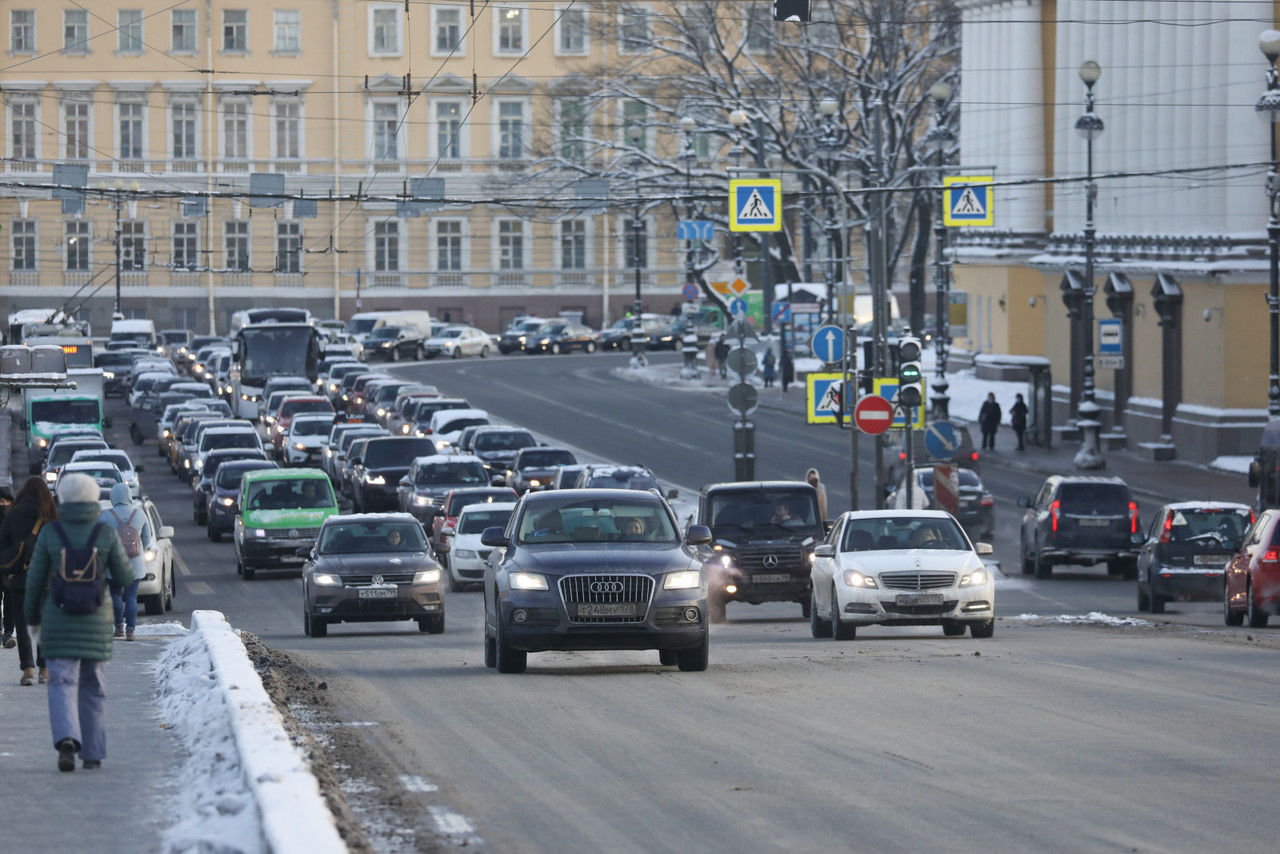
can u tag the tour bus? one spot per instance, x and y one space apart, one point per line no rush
266 349
252 316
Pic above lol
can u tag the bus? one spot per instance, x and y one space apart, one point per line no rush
263 350
253 316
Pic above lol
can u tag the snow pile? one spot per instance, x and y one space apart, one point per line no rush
1235 465
158 630
1093 618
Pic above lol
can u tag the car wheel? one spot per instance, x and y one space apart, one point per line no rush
239 564
715 609
1154 599
395 354
1257 619
983 630
818 627
457 352
154 604
490 651
319 627
306 622
1044 569
1114 567
421 354
952 629
135 434
694 660
432 625
215 536
667 657
806 608
1129 568
484 352
171 591
624 344
1144 598
249 572
840 630
508 660
455 586
1229 617
555 349
591 347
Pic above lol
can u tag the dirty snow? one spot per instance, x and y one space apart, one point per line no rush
1233 464
1093 618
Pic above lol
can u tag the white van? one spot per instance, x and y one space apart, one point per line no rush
139 333
418 321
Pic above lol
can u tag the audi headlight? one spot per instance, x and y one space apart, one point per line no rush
528 581
687 579
853 578
375 480
421 500
426 576
326 579
227 502
973 579
465 554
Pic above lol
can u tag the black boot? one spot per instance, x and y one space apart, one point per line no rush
66 755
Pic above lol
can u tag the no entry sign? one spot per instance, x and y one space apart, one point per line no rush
873 414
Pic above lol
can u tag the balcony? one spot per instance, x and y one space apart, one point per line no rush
387 280
180 278
448 280
123 165
511 279
186 166
288 280
24 278
75 278
133 278
237 279
573 279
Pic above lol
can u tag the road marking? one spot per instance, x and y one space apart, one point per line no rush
182 564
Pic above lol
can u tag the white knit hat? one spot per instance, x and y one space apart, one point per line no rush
77 487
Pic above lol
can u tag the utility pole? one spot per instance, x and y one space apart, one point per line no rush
879 287
116 311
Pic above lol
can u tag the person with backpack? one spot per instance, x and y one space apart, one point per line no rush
134 530
66 600
33 508
7 640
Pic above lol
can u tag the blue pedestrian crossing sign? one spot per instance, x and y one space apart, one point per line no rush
738 307
967 201
823 398
755 204
827 344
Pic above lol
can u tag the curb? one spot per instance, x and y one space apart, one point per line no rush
295 819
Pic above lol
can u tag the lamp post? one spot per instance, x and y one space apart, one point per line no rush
1268 109
1090 127
831 140
688 157
636 133
940 139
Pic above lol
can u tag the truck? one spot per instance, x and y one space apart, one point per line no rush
47 413
263 350
133 333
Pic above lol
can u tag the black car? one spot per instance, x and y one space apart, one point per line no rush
976 510
1080 520
513 340
203 487
376 476
616 477
117 367
598 569
535 468
422 491
498 446
560 336
221 508
1187 550
394 343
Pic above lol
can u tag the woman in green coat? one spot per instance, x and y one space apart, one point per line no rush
76 646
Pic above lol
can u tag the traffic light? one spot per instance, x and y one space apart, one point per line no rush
910 385
791 10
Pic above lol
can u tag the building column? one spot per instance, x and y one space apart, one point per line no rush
1072 288
1119 296
1166 294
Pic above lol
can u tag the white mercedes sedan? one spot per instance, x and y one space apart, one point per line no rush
900 568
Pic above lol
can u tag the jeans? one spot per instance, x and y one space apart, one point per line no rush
77 703
124 602
22 633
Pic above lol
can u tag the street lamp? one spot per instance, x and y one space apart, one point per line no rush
939 139
1090 127
636 134
1268 109
737 118
832 139
688 157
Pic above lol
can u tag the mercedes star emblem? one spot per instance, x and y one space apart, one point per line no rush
770 561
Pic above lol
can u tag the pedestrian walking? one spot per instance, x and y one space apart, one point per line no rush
134 530
712 349
6 602
68 552
769 371
32 509
722 355
811 476
788 370
989 421
1018 419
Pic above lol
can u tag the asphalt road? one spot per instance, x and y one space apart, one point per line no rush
1045 737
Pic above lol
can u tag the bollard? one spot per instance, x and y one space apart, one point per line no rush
689 370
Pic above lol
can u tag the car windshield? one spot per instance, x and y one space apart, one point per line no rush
594 520
100 473
385 333
425 409
64 411
546 459
550 328
440 474
111 360
451 333
361 325
119 460
229 476
788 510
396 452
238 439
312 427
622 479
1109 498
505 441
63 451
527 326
292 407
1207 526
373 536
352 436
458 502
967 477
474 522
292 494
887 533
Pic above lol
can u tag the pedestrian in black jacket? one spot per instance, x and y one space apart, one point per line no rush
989 421
1018 419
7 603
34 505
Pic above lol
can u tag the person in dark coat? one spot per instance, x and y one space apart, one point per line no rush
722 353
1018 419
7 602
989 421
769 371
33 505
78 645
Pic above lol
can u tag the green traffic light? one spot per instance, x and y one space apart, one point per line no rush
909 373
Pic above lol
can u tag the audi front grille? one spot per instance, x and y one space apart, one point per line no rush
635 590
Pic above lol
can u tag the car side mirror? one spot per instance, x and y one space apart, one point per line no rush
1024 502
139 469
303 551
697 535
404 481
673 494
355 461
824 550
166 532
983 548
498 480
493 537
1137 539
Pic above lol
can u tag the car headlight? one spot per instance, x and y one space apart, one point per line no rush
50 476
404 428
326 579
375 480
426 576
465 554
42 443
244 397
535 482
386 343
812 558
167 433
726 560
442 445
973 579
108 375
528 581
853 578
328 452
333 386
259 532
199 465
227 502
381 411
150 554
421 500
686 579
299 446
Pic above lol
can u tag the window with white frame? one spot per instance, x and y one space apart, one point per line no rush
386 131
75 129
75 31
448 245
182 131
384 30
635 33
571 31
22 129
512 24
572 124
510 130
758 28
510 244
184 318
235 132
447 26
24 245
289 247
635 242
635 118
184 31
287 136
235 234
288 31
448 135
22 31
573 244
75 245
185 252
129 31
235 31
386 246
133 245
129 149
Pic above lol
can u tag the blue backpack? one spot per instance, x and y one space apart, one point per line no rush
80 582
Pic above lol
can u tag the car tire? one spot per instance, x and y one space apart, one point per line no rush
1155 600
555 349
591 347
1129 569
1043 568
983 630
818 627
1115 567
249 572
952 629
840 630
395 354
421 354
1144 598
490 651
135 434
667 657
239 564
715 609
171 591
455 586
806 608
1229 617
624 344
215 536
457 353
1257 619
154 604
508 660
432 625
319 627
694 660
1028 563
484 352
306 622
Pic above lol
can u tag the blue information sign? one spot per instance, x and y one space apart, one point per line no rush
738 307
781 312
942 440
827 344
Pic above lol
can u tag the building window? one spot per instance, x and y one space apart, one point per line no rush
449 130
635 248
236 245
22 31
76 245
75 130
184 318
635 115
289 247
511 26
573 130
288 130
759 28
510 130
235 133
235 31
184 31
510 244
449 245
183 118
288 29
133 245
24 245
573 244
634 30
129 28
386 126
384 31
186 237
22 130
448 30
131 134
386 246
571 31
75 31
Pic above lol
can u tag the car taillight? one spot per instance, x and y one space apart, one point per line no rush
1272 556
1133 517
988 501
1053 514
1168 526
902 455
974 456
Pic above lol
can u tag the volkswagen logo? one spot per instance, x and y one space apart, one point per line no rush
377 579
770 561
606 587
293 532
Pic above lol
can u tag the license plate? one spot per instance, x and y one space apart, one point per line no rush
1093 523
774 578
608 609
1210 560
918 599
377 593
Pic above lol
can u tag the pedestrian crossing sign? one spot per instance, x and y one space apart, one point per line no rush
887 387
967 201
822 398
755 204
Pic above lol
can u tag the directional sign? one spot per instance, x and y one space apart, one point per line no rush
755 204
690 291
968 201
942 440
827 344
873 415
695 229
1110 337
738 307
887 387
743 398
781 312
820 397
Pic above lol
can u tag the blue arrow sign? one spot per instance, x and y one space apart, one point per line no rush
827 344
942 440
695 229
738 307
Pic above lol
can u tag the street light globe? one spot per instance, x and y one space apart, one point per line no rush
687 123
1090 71
738 117
1269 44
940 91
828 106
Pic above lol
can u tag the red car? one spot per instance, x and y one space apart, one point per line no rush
1252 586
447 514
293 406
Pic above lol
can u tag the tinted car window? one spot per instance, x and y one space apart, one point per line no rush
751 509
544 459
383 535
1102 497
391 452
294 493
292 407
312 427
621 481
595 520
475 522
229 475
442 473
229 440
503 441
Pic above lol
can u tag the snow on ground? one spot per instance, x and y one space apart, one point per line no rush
1235 465
159 630
1093 618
